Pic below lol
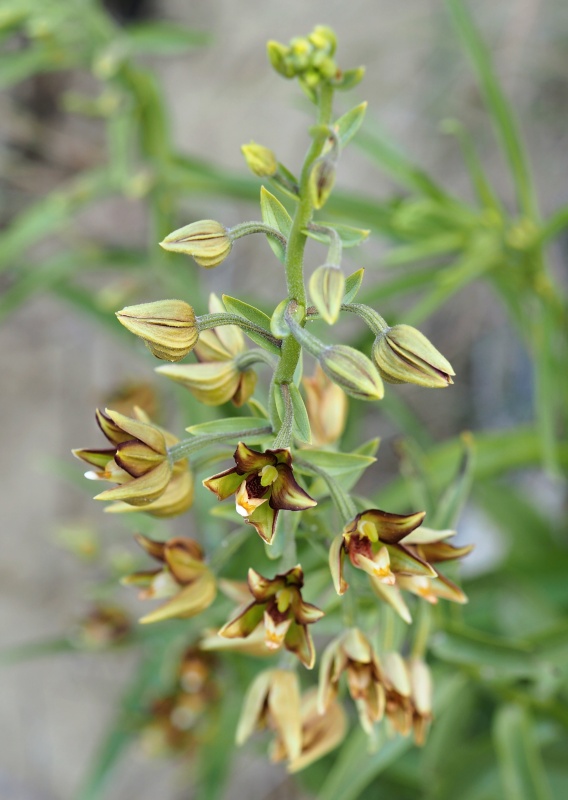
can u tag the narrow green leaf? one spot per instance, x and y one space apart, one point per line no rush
350 237
348 124
479 650
501 111
229 425
522 772
337 463
162 38
450 505
352 285
236 306
275 215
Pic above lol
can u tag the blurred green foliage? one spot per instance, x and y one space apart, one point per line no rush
501 664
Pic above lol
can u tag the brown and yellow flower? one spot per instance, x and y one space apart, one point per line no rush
353 654
183 579
138 462
430 546
373 542
263 484
408 686
278 605
217 378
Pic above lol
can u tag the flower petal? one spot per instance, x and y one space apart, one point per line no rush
137 458
434 552
284 706
111 430
224 484
261 588
392 595
306 613
298 640
264 520
248 460
320 733
390 528
184 557
253 706
404 561
336 556
192 600
245 388
177 498
141 491
287 493
150 546
143 431
244 622
96 458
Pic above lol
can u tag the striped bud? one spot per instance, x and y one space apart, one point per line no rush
207 241
327 288
352 371
404 355
168 327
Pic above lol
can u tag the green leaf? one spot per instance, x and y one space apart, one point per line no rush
501 111
520 764
450 505
255 315
301 429
337 464
369 448
348 124
229 425
162 38
479 650
275 215
352 285
350 237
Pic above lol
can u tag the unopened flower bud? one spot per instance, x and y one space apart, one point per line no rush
327 408
323 38
322 180
327 288
207 241
404 355
352 371
278 57
168 327
260 160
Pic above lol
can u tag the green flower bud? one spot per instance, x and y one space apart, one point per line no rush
327 288
321 181
404 355
168 327
207 241
260 160
323 38
352 371
278 55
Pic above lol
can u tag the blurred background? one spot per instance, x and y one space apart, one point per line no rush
62 127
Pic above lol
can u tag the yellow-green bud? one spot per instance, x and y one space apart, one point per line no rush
327 288
168 327
278 55
323 38
321 181
352 371
260 160
404 355
207 241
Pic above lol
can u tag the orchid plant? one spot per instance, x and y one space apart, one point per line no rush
291 481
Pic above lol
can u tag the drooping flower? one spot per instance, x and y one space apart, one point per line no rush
404 355
373 542
326 403
183 578
278 605
263 484
207 241
167 327
217 378
408 686
353 654
138 462
321 733
273 701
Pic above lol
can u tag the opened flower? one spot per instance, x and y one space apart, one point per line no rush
182 578
217 378
138 462
408 687
263 484
278 604
431 546
373 543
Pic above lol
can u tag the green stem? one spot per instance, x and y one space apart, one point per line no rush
303 337
246 228
251 357
371 317
188 446
206 321
342 501
285 433
423 629
335 251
